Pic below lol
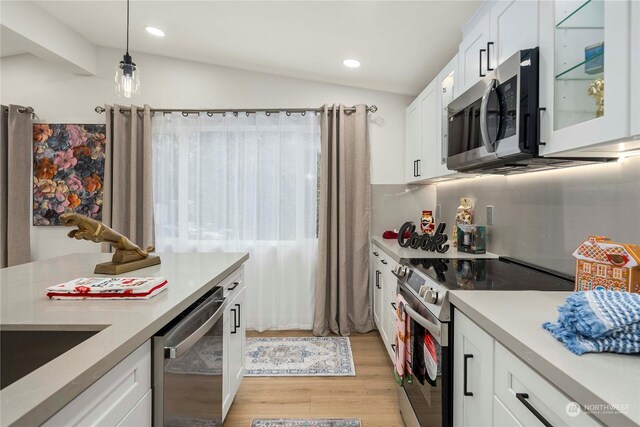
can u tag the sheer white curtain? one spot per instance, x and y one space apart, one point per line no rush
244 184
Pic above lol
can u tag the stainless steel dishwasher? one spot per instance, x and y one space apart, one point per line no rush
187 366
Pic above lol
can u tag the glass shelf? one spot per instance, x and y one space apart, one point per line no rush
576 72
589 15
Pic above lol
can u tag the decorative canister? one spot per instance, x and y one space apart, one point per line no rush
426 223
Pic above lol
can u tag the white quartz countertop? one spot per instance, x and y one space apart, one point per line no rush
123 325
514 318
397 252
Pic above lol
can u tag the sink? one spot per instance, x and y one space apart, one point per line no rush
22 352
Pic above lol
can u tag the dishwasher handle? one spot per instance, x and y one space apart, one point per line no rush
173 352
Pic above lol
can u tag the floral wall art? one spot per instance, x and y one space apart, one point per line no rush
68 171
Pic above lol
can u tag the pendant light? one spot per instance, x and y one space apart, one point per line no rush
127 74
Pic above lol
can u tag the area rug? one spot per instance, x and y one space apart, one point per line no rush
294 422
302 356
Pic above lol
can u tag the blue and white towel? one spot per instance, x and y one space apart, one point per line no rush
599 321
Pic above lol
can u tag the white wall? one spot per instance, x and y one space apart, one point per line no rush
59 96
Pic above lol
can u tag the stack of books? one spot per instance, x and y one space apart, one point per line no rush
108 288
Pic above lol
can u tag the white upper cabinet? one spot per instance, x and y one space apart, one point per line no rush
584 44
472 53
513 27
447 87
422 135
413 149
498 30
427 166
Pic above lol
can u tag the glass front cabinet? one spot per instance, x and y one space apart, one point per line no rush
585 76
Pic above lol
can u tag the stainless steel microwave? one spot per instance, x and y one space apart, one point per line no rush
494 126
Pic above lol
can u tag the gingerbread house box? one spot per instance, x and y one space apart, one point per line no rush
603 264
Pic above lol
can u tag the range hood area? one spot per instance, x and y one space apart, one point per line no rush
498 126
535 164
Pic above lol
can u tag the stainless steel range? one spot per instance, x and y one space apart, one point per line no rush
425 285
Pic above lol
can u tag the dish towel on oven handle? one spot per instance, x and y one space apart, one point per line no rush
402 341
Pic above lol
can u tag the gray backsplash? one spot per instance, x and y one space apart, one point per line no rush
393 205
541 217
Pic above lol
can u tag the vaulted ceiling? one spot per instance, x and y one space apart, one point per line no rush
402 44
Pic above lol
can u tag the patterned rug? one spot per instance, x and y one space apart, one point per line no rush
305 356
293 422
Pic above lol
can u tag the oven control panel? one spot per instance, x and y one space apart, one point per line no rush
430 295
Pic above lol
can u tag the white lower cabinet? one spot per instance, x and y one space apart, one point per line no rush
389 287
122 397
384 294
502 390
529 397
473 373
501 415
140 415
234 334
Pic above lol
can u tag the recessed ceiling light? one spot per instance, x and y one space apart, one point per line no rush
155 31
351 63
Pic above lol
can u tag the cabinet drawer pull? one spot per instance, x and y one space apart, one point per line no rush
393 347
376 253
418 174
480 63
383 261
464 375
378 279
235 285
522 397
393 304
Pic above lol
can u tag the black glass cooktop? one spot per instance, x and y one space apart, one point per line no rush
502 274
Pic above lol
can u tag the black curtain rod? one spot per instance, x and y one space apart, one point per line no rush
29 110
210 112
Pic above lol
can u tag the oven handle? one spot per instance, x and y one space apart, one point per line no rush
434 329
484 130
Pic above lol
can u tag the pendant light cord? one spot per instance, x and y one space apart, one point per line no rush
127 27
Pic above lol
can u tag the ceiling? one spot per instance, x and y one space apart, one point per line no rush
402 44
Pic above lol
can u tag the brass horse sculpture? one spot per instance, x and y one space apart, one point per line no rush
127 257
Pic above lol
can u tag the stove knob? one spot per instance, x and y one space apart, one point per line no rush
400 270
431 296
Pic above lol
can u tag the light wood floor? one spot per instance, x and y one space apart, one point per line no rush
371 395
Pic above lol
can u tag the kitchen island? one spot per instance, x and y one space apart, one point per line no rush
605 385
117 328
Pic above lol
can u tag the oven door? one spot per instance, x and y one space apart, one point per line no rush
426 400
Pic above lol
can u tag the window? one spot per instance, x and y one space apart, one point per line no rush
241 178
244 183
602 270
586 268
617 273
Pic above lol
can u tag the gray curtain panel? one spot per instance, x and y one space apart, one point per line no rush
342 294
128 206
16 130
